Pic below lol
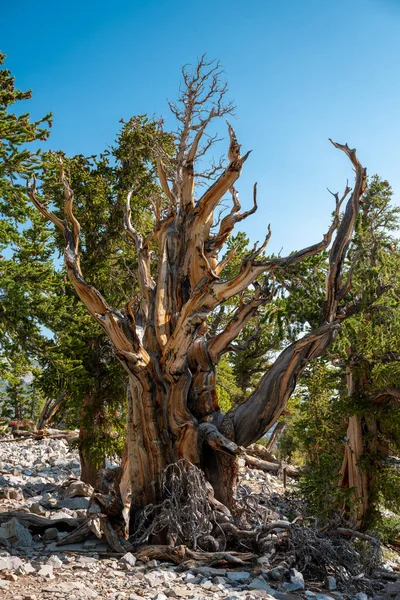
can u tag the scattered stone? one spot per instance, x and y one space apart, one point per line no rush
26 569
210 571
76 503
258 583
46 571
277 573
152 564
10 563
12 493
78 589
50 534
129 559
207 585
54 561
37 509
87 560
15 534
238 575
393 588
79 488
153 579
296 581
331 583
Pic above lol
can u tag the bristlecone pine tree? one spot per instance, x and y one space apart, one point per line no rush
161 337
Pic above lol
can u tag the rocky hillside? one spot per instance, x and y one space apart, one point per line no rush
43 501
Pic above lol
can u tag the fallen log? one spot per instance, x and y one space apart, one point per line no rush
110 535
353 533
180 554
231 529
271 467
44 434
260 452
101 528
37 523
81 533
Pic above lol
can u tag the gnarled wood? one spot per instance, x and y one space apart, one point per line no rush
173 407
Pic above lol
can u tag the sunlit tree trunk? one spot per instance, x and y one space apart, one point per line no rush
353 476
163 342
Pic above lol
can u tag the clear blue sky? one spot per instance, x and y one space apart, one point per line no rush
300 71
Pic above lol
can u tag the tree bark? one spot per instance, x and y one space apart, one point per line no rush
49 410
163 342
89 467
362 443
352 475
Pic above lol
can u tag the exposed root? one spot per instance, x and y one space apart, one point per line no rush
197 528
180 554
329 552
186 514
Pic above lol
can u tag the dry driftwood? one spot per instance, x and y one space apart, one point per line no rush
81 533
53 434
271 467
352 533
231 529
182 553
260 452
37 523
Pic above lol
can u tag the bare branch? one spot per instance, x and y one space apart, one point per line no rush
229 222
211 198
225 261
266 404
252 268
42 208
146 282
334 289
221 343
68 207
162 176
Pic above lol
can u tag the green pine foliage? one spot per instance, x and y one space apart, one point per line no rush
367 344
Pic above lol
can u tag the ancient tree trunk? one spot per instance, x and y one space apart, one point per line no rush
363 443
89 466
163 342
50 409
352 475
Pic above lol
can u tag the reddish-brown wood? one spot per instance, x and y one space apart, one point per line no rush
173 405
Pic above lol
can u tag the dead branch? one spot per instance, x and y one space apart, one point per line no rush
49 410
180 554
357 534
38 524
271 467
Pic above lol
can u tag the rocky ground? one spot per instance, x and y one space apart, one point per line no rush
41 478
